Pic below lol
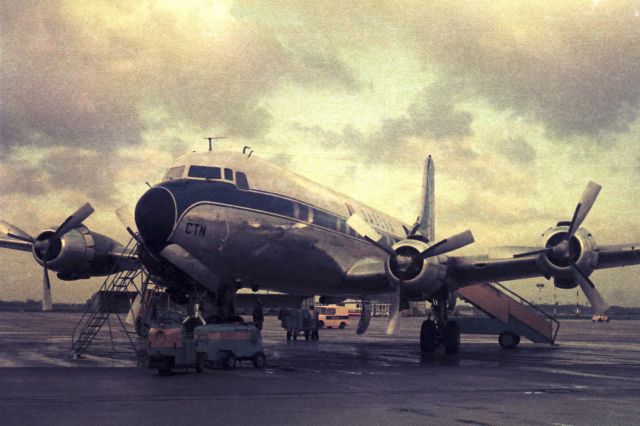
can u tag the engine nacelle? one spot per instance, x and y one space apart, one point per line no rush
78 254
582 253
425 279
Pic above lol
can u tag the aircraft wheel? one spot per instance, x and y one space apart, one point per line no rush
342 326
229 362
258 360
428 336
288 335
451 337
508 339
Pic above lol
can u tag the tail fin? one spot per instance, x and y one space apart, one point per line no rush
427 216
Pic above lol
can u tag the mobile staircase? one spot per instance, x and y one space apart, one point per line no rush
116 286
508 315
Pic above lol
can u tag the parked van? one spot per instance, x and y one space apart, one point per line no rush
333 316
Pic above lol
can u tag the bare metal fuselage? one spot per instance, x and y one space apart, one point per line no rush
283 233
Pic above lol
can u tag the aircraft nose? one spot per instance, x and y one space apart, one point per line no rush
155 216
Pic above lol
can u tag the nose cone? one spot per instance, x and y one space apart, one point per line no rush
155 216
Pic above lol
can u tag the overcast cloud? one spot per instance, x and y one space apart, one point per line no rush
520 104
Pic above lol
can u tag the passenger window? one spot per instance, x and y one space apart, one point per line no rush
204 172
342 226
228 174
300 211
174 173
241 180
323 219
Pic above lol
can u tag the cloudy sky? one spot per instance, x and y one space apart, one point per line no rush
520 104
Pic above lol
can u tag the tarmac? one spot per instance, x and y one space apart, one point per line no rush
591 377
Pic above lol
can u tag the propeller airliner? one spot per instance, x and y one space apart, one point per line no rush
221 221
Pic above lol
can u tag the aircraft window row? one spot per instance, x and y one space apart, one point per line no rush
206 172
329 221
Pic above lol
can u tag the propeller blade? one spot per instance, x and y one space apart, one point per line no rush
47 305
394 311
365 318
12 244
182 259
449 244
358 224
590 291
15 232
125 217
533 253
73 221
500 252
586 202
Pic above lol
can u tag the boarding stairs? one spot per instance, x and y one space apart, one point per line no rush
506 312
116 286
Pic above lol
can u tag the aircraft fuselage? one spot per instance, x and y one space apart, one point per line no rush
248 219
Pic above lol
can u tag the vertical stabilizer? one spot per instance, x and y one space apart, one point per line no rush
427 214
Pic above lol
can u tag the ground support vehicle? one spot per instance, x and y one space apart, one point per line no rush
297 322
172 347
168 348
225 344
333 316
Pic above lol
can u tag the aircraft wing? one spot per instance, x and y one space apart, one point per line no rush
12 244
368 275
614 256
464 271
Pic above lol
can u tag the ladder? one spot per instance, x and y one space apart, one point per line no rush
506 311
116 284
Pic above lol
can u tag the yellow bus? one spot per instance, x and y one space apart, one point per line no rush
333 316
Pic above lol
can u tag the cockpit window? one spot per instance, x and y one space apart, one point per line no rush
205 172
241 180
174 173
228 174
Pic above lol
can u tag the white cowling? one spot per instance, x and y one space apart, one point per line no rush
423 281
582 253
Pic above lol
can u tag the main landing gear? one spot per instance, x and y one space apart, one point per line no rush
442 331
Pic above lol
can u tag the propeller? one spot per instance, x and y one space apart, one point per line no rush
563 248
15 232
42 246
590 291
406 263
582 209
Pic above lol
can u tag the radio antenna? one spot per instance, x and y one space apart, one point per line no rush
211 138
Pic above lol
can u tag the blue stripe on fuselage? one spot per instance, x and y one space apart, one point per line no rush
189 192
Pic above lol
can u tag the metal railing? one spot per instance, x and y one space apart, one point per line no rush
116 283
531 305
